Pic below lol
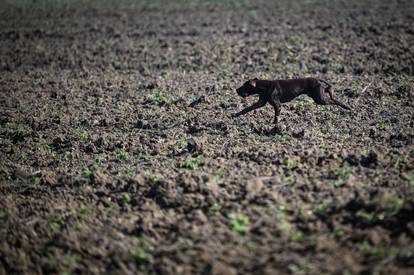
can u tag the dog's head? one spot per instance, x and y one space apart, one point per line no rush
248 88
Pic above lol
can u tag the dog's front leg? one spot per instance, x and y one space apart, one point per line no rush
255 106
276 105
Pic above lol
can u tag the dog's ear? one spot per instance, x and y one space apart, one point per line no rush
253 82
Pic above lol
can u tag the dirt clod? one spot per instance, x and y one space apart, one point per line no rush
119 153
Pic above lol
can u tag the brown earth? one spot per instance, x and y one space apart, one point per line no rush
106 168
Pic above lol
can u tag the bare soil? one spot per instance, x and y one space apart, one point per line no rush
119 154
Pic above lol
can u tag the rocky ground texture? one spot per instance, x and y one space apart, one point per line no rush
119 153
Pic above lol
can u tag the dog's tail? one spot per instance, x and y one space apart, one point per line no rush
334 101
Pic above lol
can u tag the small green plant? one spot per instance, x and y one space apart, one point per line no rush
98 159
70 261
297 236
298 104
82 213
399 163
83 136
214 207
248 244
383 125
126 198
378 251
406 253
140 256
239 223
335 184
86 172
337 230
56 225
320 210
122 105
150 114
143 157
409 178
153 178
288 179
343 173
290 163
393 204
226 72
182 143
283 222
67 155
156 97
192 163
367 217
283 138
121 154
355 88
46 149
36 180
8 125
20 132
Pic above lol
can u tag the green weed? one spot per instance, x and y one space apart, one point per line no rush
378 251
399 163
46 149
153 178
86 172
126 198
367 217
156 97
182 143
335 184
214 207
409 178
151 114
392 205
122 105
192 163
98 159
56 225
297 236
82 213
70 261
20 132
290 163
143 157
83 136
239 223
36 180
343 173
121 154
139 256
356 88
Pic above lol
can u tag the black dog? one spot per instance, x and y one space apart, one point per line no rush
280 91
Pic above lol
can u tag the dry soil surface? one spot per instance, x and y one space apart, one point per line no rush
119 153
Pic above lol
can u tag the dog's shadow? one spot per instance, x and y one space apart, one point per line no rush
277 131
266 131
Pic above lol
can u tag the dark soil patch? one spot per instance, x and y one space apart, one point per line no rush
119 154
